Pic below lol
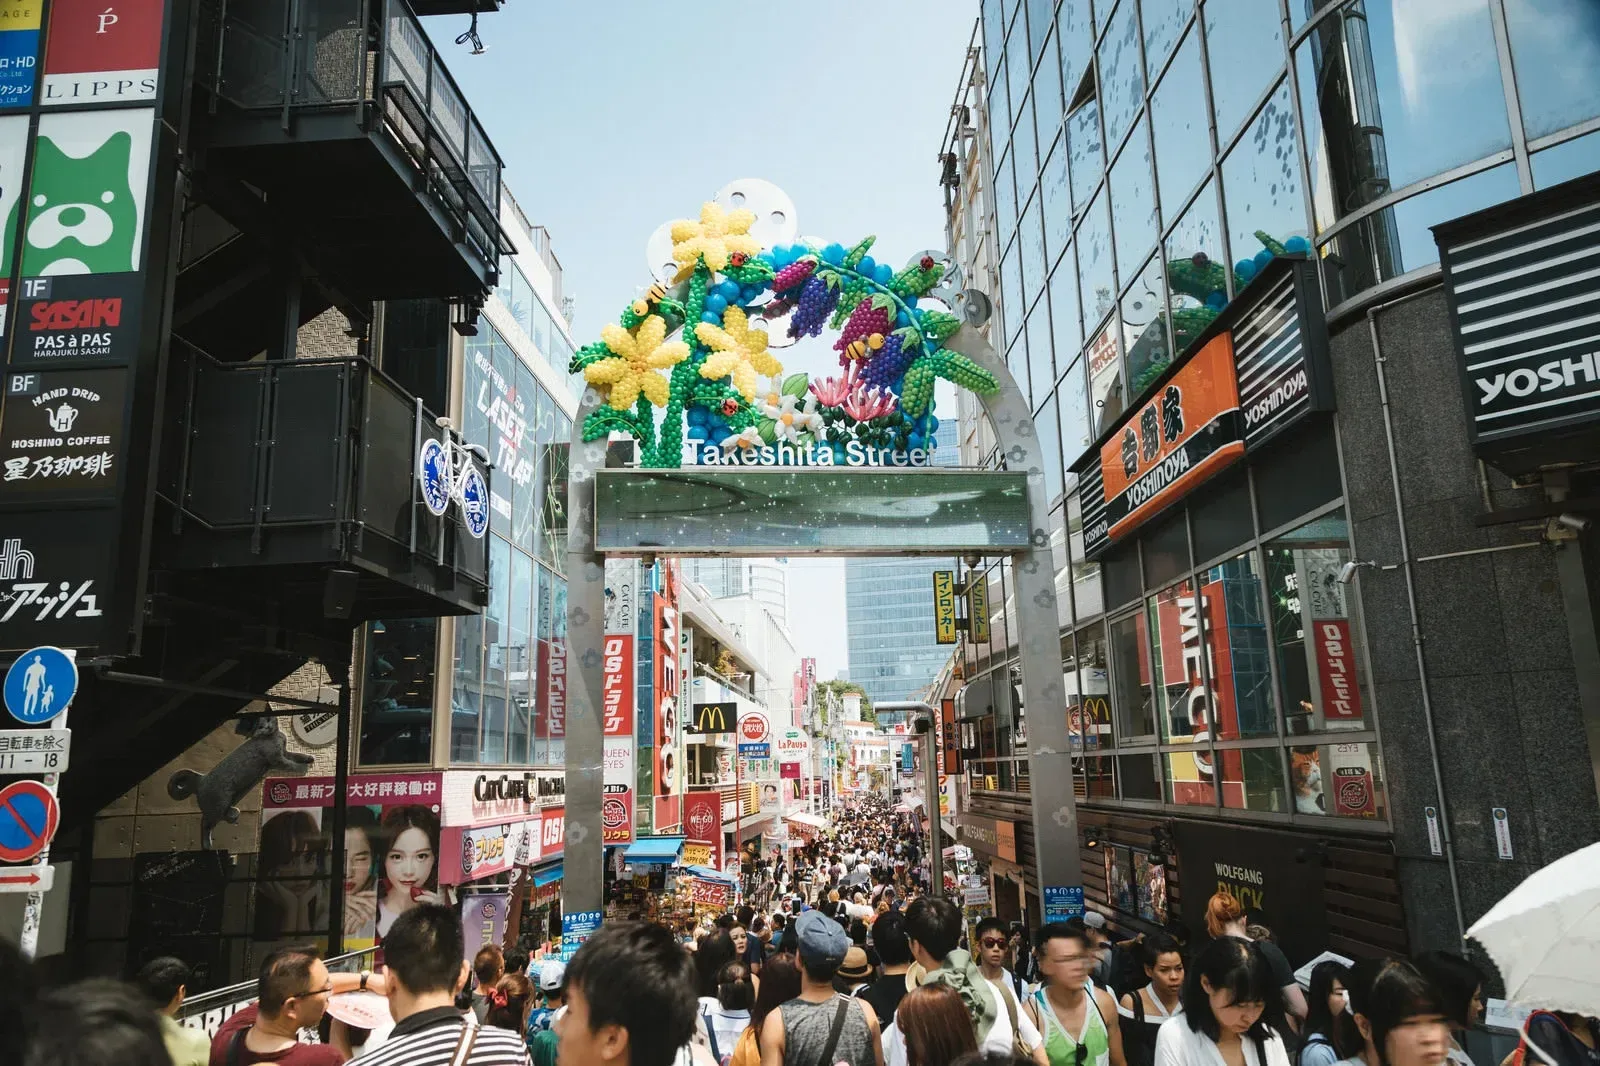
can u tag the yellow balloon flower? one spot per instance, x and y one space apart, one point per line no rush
631 369
738 350
716 236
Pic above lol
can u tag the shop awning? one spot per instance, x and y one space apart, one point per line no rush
807 818
548 875
663 850
710 873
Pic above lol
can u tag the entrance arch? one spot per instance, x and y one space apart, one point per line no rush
705 251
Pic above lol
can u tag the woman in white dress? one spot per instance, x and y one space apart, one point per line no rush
1232 1011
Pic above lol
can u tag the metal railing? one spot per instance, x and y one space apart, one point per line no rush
290 56
307 442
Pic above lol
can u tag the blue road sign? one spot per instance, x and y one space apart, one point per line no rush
756 751
1062 902
575 929
40 684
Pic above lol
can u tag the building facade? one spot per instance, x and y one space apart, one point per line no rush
1181 197
892 647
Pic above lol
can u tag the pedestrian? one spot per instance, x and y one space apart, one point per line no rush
488 966
1460 987
517 962
756 949
422 955
292 993
994 951
1077 1019
894 952
95 1023
1399 1014
819 1027
712 952
935 1025
780 982
1327 1035
855 973
552 995
933 926
1232 1011
630 999
730 1017
1225 917
510 1003
1142 1012
164 981
1567 1039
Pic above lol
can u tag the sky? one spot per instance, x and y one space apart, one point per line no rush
614 116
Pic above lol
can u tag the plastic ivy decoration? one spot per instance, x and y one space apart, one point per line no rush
890 350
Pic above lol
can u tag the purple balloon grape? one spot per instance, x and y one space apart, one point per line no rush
817 300
888 366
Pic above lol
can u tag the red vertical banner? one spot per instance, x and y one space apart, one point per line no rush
1336 670
667 755
617 723
102 52
702 822
617 702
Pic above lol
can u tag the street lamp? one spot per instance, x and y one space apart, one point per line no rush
923 715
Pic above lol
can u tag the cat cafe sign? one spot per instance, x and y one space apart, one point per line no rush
471 798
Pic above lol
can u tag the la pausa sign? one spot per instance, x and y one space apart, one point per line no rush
852 453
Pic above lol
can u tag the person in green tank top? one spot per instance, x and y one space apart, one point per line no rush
1079 1021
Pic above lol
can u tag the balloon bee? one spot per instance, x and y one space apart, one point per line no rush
863 346
652 296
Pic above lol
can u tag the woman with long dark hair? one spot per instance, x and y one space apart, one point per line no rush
1399 1013
712 952
1232 1011
1225 916
1326 1036
410 862
736 994
936 1026
1460 986
780 982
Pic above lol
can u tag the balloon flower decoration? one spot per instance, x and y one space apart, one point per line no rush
695 350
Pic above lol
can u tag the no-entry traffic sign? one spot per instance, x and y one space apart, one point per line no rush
28 816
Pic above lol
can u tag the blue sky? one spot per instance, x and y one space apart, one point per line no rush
614 117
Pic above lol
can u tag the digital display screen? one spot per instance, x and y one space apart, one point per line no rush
766 512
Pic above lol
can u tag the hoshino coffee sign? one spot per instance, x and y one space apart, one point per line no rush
1522 288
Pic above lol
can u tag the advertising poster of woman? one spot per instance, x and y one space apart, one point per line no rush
410 863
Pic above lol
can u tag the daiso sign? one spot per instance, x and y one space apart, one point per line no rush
753 728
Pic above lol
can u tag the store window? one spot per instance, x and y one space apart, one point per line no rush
552 541
1244 42
1011 305
1031 238
1144 326
519 659
1132 686
466 694
1343 780
1261 185
1139 778
1163 23
1077 47
1050 442
1087 677
397 693
1555 48
1196 268
1024 148
1189 778
1173 618
1567 160
1397 92
1237 654
1057 202
1005 198
1047 101
1073 397
1105 379
1252 779
1315 629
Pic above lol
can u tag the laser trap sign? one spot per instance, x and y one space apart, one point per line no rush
40 684
28 817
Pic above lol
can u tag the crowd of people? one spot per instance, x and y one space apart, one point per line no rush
848 961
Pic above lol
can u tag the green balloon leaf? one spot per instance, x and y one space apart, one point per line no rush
940 324
859 252
795 385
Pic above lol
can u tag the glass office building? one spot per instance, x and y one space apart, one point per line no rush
1130 167
892 650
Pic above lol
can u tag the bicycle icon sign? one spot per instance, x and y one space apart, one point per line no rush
446 472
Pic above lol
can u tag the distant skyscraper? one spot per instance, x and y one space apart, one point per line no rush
889 612
767 580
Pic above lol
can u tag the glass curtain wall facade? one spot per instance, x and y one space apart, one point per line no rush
506 678
1149 157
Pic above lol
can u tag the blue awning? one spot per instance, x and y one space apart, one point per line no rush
547 875
710 873
663 850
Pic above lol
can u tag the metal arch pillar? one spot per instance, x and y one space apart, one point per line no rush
1053 804
1055 817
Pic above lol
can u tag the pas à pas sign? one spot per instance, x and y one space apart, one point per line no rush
784 454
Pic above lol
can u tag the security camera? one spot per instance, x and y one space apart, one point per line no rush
973 560
921 723
1348 571
1574 522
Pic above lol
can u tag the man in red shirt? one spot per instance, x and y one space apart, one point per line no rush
292 991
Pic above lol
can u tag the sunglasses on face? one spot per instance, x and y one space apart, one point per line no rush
993 942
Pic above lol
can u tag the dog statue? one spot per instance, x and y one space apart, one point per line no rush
240 770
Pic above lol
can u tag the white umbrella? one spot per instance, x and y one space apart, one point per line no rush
1545 936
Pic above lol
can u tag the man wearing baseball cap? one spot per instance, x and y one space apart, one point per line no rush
819 1025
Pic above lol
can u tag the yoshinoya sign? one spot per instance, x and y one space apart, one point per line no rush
1259 369
1521 287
